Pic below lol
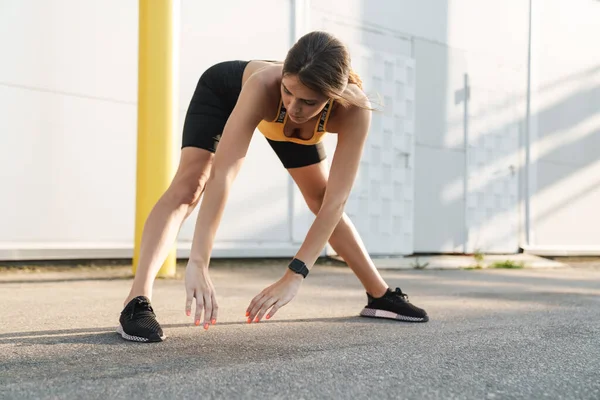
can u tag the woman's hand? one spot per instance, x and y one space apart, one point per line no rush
274 297
199 286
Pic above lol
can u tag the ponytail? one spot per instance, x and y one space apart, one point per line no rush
355 79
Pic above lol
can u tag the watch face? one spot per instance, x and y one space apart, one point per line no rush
296 265
299 267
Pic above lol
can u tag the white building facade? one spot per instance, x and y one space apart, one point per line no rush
488 138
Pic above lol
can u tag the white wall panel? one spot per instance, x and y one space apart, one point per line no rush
257 209
565 127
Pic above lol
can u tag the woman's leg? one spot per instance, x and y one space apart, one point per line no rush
167 216
312 181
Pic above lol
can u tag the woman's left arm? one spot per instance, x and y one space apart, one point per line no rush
344 167
346 159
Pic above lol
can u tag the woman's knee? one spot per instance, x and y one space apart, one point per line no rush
186 190
190 179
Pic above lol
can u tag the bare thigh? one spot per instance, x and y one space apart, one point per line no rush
312 182
191 176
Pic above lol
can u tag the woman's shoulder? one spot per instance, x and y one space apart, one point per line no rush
354 104
266 72
264 80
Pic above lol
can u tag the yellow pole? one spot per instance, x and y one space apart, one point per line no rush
156 113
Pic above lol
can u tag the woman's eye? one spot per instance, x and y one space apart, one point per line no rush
309 103
286 91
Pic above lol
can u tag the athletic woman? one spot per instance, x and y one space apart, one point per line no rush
293 104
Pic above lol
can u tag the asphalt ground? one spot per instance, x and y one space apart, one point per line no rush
493 334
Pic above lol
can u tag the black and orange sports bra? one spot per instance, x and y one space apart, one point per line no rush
274 130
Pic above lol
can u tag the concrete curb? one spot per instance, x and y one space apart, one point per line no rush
528 261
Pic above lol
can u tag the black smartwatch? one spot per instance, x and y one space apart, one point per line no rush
298 267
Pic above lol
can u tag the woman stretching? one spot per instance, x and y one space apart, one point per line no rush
293 104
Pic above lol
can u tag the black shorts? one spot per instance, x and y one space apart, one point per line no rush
213 101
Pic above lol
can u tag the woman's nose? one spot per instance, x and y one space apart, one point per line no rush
296 107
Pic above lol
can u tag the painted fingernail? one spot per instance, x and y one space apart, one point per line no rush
247 313
213 321
205 326
268 316
188 313
249 320
197 322
256 320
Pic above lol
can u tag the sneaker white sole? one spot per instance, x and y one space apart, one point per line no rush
125 336
373 313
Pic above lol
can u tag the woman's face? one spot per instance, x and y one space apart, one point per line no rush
301 103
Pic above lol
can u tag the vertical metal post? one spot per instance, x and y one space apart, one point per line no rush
467 95
527 168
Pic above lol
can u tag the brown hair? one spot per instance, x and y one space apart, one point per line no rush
322 63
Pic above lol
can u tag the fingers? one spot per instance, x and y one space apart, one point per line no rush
189 298
199 309
266 305
206 304
253 304
276 307
215 309
207 311
255 308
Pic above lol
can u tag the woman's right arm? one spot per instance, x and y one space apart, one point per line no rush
228 159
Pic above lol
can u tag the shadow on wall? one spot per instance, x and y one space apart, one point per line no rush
568 131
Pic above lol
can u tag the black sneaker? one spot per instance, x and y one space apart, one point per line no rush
393 305
138 322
